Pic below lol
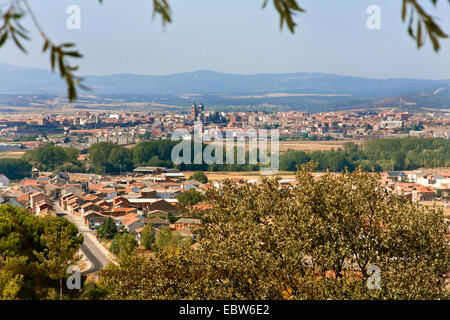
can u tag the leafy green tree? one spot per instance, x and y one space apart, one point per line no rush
146 136
19 235
15 169
93 291
315 241
62 243
200 177
32 249
166 237
10 282
70 167
148 236
189 197
290 159
120 158
123 244
163 238
108 230
51 157
379 154
398 160
108 157
153 153
155 161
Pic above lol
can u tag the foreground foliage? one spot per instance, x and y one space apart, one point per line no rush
33 253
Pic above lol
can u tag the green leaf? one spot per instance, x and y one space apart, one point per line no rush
74 54
419 34
17 42
46 45
52 58
3 38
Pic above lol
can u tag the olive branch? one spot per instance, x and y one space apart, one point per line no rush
423 20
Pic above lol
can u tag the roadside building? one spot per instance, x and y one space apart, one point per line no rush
4 181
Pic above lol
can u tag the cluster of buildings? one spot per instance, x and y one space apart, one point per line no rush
131 201
84 128
419 186
416 186
149 196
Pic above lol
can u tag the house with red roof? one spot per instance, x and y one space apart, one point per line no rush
107 194
131 222
185 223
4 181
36 198
162 205
423 193
43 205
89 206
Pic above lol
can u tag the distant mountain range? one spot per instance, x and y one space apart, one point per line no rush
231 89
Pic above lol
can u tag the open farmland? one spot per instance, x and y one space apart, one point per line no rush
11 154
302 145
245 175
308 146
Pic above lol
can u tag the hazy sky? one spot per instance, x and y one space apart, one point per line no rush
237 36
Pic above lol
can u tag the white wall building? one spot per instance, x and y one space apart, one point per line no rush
4 181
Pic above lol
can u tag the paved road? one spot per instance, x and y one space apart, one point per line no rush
96 263
92 249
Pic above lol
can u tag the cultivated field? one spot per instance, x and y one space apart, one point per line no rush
245 175
308 146
301 145
12 154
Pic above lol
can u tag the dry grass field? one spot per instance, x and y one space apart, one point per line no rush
308 146
12 154
245 175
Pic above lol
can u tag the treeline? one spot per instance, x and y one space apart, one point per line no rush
54 158
107 157
48 158
110 158
15 169
410 153
380 155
